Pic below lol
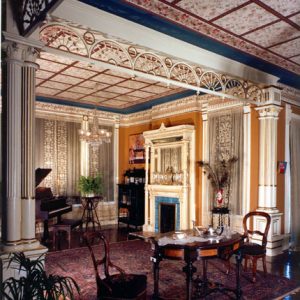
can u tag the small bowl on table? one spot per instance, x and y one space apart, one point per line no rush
179 235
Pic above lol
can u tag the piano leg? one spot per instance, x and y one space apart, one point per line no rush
46 231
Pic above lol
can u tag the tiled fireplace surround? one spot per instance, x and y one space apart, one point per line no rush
167 200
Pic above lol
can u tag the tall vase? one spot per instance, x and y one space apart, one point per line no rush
219 198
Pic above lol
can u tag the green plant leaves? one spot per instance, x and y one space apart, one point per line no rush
90 184
36 284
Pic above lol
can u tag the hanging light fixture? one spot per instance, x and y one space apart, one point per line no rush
95 136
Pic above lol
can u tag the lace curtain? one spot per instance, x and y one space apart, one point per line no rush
295 187
226 139
58 148
102 162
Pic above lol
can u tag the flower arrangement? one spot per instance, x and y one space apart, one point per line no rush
219 176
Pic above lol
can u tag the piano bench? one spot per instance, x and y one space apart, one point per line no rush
65 225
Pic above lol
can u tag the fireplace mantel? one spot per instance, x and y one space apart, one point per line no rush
170 176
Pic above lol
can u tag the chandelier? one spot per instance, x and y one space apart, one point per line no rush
94 136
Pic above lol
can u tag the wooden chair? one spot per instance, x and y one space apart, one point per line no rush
116 286
255 251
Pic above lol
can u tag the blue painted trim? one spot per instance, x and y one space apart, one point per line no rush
139 16
136 108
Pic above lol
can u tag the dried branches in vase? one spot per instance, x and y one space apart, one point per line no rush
219 176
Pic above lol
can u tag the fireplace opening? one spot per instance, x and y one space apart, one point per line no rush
167 217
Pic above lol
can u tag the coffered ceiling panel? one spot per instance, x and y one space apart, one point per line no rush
251 26
296 59
209 9
269 35
255 15
296 19
86 83
290 48
284 7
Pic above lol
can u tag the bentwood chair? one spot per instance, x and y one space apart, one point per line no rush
117 286
253 251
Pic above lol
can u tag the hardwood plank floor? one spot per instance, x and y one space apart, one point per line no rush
286 264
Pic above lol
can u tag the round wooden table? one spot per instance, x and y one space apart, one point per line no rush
213 247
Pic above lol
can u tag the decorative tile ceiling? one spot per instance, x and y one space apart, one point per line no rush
267 29
69 80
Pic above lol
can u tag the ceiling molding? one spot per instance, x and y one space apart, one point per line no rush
146 64
120 29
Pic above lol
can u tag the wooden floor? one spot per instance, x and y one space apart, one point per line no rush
286 264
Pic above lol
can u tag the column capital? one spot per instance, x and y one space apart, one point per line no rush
268 111
14 51
30 55
272 95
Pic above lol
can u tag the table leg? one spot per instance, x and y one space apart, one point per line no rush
238 259
189 270
155 260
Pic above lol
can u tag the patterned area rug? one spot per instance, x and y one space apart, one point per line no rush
134 256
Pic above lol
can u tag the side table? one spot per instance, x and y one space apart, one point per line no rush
220 217
89 214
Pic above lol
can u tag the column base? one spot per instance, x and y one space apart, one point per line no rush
11 271
276 242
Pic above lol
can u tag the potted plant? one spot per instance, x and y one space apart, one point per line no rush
219 176
36 284
90 186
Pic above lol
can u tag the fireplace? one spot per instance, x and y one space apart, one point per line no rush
167 214
167 217
170 178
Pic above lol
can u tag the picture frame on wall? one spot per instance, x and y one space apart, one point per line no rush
136 149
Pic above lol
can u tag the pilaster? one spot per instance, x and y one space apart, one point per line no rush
206 219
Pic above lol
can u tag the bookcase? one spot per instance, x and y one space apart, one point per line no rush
131 204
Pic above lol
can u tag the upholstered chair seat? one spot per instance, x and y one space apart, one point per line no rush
253 251
130 285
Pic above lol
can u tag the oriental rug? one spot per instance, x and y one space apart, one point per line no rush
134 257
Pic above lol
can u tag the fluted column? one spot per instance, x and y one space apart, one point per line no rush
268 117
28 146
267 201
11 145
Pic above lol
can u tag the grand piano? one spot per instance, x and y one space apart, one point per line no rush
48 206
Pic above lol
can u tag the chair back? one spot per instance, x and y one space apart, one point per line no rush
248 232
89 237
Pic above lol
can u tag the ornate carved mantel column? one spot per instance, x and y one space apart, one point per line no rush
268 123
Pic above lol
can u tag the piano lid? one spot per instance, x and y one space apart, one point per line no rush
40 175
